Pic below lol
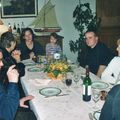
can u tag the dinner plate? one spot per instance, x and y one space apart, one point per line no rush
50 91
34 69
29 64
100 85
96 115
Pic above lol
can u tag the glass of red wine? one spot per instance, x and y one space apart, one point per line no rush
68 82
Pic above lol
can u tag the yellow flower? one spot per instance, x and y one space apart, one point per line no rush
57 68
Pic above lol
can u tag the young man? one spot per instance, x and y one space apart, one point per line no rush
9 97
97 55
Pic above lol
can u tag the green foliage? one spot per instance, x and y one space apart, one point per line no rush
85 20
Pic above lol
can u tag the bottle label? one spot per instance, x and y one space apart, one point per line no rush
87 90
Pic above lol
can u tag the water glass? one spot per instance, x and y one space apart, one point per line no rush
76 78
95 97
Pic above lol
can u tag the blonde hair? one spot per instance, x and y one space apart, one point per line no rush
118 41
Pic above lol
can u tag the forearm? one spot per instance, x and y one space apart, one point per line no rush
9 101
100 70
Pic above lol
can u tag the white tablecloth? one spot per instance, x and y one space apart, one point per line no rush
69 107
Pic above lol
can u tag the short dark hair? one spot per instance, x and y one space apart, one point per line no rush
6 39
54 35
95 32
23 34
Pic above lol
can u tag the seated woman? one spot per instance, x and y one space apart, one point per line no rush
52 47
28 47
112 71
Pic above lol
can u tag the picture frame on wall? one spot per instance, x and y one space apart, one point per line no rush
19 8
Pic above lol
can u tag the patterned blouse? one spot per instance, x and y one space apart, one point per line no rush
51 49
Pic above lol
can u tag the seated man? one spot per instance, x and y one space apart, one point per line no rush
111 108
9 96
96 55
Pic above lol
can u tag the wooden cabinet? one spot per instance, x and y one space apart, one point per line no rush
43 40
108 11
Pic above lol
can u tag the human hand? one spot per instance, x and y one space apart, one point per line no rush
12 74
32 55
24 99
16 55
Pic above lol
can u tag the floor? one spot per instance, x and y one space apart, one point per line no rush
25 114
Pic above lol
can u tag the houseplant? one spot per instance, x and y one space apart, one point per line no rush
85 20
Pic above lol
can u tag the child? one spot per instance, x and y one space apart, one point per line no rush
52 47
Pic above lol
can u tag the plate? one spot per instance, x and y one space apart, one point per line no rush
50 91
29 64
96 115
34 69
99 85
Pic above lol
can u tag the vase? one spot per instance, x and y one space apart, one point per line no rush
52 76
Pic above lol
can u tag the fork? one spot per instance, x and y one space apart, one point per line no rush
90 116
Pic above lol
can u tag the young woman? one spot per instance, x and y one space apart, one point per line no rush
28 46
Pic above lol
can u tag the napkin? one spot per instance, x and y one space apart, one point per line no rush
39 82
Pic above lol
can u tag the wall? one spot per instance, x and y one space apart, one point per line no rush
64 10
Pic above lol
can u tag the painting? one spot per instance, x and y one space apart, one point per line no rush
19 8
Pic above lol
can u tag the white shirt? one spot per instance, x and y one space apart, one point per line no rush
112 71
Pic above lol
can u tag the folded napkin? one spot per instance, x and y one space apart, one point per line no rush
39 82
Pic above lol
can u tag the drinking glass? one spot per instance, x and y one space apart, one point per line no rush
68 82
64 77
95 97
76 78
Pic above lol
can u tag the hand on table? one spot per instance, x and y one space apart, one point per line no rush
24 99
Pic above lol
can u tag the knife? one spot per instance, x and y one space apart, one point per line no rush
56 95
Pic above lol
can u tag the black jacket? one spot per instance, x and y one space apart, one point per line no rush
8 60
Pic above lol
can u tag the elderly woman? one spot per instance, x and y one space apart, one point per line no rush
112 71
28 46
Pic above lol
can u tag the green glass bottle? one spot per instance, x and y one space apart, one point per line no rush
87 86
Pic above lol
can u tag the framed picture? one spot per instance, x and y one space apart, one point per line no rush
19 8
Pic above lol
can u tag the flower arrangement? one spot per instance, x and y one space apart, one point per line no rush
56 69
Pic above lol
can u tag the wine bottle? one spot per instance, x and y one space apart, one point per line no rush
18 29
22 26
87 86
14 28
9 27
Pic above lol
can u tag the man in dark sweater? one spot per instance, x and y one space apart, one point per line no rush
96 55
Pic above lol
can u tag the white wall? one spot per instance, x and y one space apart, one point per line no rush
64 11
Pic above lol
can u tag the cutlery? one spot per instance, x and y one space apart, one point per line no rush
56 95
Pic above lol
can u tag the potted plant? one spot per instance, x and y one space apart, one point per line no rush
85 20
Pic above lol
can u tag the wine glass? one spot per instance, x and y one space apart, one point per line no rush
68 82
95 97
76 78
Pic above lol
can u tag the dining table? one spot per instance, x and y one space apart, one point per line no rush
63 103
